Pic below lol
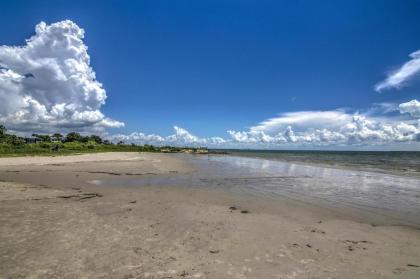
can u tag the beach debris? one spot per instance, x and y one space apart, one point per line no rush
232 208
81 196
154 225
318 231
38 199
398 270
413 265
357 241
104 172
309 245
214 251
133 201
89 196
183 273
356 244
68 196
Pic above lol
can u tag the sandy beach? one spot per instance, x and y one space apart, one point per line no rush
56 222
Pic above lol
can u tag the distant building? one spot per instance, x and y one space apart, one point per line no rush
32 140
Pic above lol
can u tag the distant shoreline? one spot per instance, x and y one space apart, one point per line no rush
406 163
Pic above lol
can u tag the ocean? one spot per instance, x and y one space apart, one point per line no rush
396 162
382 187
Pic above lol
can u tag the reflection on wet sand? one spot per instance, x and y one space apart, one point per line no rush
391 195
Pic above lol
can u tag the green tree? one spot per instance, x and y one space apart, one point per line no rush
3 131
84 139
96 139
149 147
58 136
73 136
45 138
14 140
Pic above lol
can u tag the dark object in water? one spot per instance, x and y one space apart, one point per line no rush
214 251
244 211
232 208
133 201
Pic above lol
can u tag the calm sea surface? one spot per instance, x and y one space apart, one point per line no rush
373 185
400 162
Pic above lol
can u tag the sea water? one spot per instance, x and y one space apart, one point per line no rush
388 193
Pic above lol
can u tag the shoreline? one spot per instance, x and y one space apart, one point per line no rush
340 166
70 228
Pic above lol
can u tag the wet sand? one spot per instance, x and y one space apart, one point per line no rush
56 223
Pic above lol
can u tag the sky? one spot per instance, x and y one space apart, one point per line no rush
231 74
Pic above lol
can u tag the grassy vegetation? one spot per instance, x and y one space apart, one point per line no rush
73 143
48 148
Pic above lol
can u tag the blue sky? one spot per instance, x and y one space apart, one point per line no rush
217 66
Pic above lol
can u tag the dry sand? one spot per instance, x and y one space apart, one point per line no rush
55 225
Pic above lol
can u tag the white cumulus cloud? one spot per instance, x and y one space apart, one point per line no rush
412 107
304 128
48 83
180 137
398 77
327 128
303 120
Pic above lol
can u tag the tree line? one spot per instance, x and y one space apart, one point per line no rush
75 142
57 137
70 137
9 138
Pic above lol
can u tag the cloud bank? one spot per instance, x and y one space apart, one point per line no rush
398 78
333 128
48 84
181 137
305 128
